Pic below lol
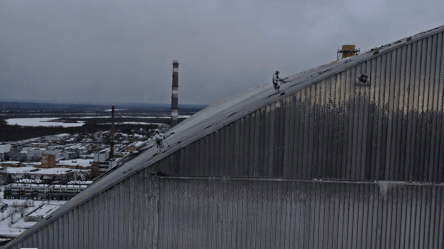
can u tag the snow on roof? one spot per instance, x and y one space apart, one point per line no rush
24 185
40 171
75 146
76 162
22 224
10 162
37 144
65 186
5 148
35 149
76 182
137 144
43 211
63 135
134 123
29 181
104 150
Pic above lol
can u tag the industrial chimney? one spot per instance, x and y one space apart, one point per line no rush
111 152
175 95
347 51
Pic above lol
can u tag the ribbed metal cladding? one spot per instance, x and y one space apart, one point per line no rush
390 130
124 216
145 212
267 213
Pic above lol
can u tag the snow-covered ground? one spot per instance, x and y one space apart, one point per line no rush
41 122
8 230
116 110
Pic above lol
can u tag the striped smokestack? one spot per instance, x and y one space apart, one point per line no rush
175 94
111 152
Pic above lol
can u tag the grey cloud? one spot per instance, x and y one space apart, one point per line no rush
123 50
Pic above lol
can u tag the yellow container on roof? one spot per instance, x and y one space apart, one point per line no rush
348 47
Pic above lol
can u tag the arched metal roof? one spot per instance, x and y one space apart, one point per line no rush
218 116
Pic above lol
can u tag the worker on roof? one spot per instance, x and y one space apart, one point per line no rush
277 81
159 138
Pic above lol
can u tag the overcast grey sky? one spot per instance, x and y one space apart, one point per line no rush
122 51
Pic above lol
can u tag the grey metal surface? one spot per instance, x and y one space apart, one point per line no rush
270 213
321 126
389 130
148 212
124 216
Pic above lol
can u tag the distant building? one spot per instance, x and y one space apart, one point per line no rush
48 161
4 152
55 138
100 138
12 164
64 191
40 213
38 190
32 164
12 174
103 162
35 191
134 146
35 154
71 155
75 164
76 149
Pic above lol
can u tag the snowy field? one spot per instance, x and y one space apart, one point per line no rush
41 122
116 110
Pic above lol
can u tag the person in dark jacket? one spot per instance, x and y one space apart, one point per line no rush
277 81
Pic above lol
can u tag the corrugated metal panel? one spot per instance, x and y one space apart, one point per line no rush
251 213
391 130
124 216
242 213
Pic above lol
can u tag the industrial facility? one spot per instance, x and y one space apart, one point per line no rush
346 155
35 190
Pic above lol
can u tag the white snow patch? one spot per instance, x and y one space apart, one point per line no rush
116 110
41 122
42 171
